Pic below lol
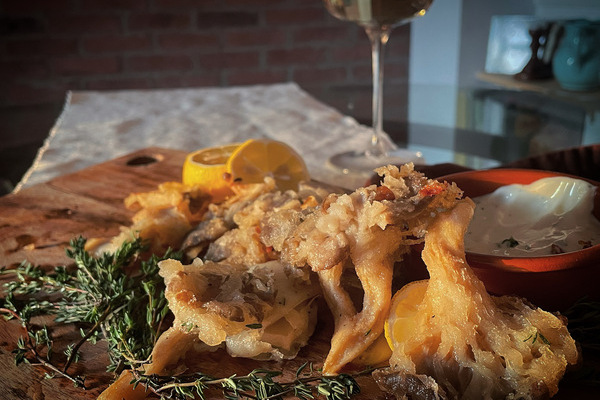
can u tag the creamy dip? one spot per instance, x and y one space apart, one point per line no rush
548 216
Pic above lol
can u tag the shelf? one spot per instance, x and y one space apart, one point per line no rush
588 100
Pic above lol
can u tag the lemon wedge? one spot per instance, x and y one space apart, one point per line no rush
401 324
256 159
207 169
376 355
215 169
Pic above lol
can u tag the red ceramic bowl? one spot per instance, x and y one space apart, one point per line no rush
552 282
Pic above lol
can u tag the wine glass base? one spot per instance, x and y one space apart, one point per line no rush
356 163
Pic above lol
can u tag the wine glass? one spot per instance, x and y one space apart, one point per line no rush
378 18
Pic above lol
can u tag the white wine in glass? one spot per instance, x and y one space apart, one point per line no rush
378 18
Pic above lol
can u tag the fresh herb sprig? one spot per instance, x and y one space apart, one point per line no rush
127 310
258 384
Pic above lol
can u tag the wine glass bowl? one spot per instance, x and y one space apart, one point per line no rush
381 13
378 18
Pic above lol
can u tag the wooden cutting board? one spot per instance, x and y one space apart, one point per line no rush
37 224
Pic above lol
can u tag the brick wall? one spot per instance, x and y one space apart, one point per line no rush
50 46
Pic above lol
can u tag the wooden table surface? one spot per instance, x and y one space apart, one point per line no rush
37 223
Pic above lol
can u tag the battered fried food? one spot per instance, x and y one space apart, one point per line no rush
457 341
163 218
170 349
263 311
368 230
254 295
231 231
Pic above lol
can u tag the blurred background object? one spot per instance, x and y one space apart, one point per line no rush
50 47
509 43
576 62
436 72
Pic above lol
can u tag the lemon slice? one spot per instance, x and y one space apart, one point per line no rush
207 169
256 159
376 355
401 323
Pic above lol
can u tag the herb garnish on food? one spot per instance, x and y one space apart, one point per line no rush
126 307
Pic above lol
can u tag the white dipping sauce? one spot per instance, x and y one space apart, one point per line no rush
527 220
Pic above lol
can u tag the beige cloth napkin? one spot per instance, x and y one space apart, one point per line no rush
98 126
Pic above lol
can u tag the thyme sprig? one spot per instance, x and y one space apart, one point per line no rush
127 310
28 351
100 295
257 385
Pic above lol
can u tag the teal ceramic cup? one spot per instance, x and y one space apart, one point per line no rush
576 61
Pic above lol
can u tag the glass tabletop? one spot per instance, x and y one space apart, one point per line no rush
493 126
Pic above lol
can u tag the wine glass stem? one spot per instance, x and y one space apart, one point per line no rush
378 37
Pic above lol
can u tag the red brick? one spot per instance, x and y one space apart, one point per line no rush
116 43
159 21
34 120
80 24
297 56
34 69
396 70
215 4
395 93
252 3
255 37
360 51
361 35
392 71
241 60
395 100
21 25
323 75
160 63
295 16
86 65
119 83
398 46
113 4
41 47
226 19
363 73
180 41
253 77
33 93
30 6
178 3
182 81
402 30
327 34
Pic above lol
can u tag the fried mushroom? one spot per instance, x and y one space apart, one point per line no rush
367 230
263 311
460 342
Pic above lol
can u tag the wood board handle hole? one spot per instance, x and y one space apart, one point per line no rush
144 160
